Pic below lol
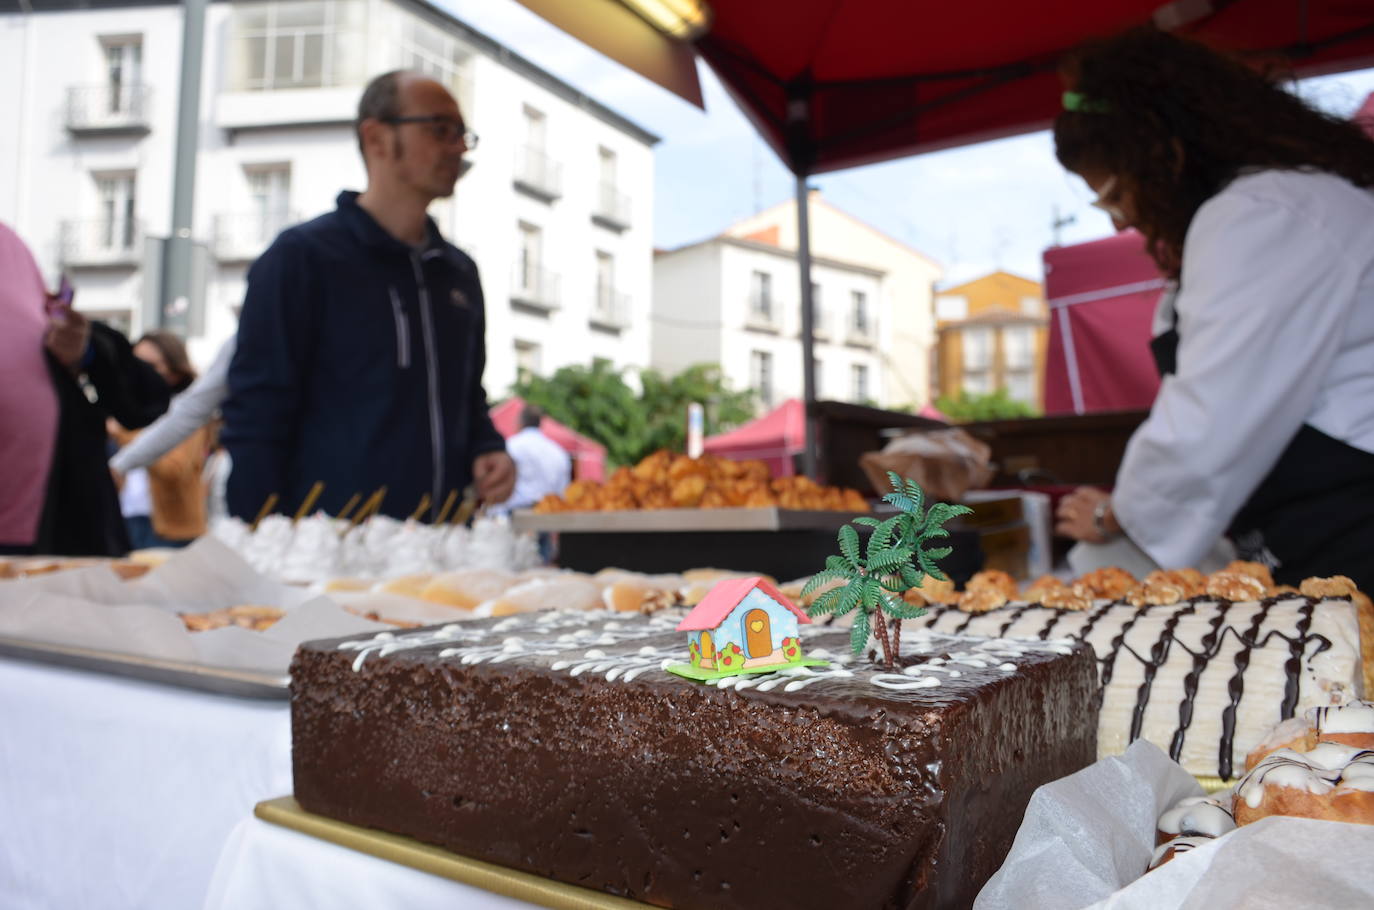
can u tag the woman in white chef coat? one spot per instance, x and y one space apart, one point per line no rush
1260 209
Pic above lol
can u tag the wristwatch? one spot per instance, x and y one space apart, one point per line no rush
1100 519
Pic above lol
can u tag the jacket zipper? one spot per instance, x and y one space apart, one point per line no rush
402 331
436 420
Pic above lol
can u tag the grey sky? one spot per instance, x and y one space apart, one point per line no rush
973 209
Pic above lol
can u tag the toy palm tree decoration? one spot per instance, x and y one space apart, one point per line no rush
894 560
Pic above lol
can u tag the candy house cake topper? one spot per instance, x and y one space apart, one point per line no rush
744 625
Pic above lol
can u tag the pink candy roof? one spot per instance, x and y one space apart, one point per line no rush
725 596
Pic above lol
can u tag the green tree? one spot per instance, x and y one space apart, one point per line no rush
876 575
665 402
597 402
996 406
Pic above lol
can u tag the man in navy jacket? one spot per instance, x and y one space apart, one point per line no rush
361 343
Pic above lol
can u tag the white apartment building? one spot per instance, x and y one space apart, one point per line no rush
556 208
735 300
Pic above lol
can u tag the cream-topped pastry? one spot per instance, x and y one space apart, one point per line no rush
1205 816
1330 781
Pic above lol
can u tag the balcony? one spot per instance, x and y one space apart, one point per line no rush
537 174
102 243
612 208
534 290
610 312
860 334
762 315
242 237
109 110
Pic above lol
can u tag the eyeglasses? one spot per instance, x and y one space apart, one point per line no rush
444 129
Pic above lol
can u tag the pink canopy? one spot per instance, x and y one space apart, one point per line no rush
589 457
1102 298
775 438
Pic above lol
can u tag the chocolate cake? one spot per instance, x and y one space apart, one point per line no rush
1203 679
555 743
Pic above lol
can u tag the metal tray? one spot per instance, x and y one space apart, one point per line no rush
221 680
285 811
768 518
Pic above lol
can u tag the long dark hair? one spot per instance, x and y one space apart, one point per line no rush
1175 122
173 351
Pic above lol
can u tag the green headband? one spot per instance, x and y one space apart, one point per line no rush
1082 104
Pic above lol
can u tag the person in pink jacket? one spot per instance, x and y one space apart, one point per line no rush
28 401
60 377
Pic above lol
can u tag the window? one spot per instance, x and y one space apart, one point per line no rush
859 312
269 199
761 376
605 283
1021 386
761 295
606 167
124 74
1018 343
951 308
858 375
116 226
816 376
977 348
527 358
977 383
535 128
304 43
1031 306
817 309
531 242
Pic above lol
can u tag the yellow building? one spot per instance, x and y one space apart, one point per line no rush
992 333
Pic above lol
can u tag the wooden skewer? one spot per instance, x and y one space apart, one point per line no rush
348 507
448 504
266 510
309 502
420 509
374 502
466 507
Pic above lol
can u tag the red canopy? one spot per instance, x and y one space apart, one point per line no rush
589 457
775 438
838 83
1102 298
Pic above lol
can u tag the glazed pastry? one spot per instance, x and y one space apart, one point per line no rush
1167 851
467 588
1351 724
982 599
1200 816
1331 781
1295 733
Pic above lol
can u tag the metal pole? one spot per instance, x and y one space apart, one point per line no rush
175 297
808 321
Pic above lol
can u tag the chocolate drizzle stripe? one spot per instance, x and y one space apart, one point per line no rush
1109 663
1211 644
1158 655
1015 615
1235 688
1293 666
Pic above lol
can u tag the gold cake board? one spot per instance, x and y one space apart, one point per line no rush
285 811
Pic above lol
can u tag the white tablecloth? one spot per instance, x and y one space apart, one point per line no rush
116 793
266 865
